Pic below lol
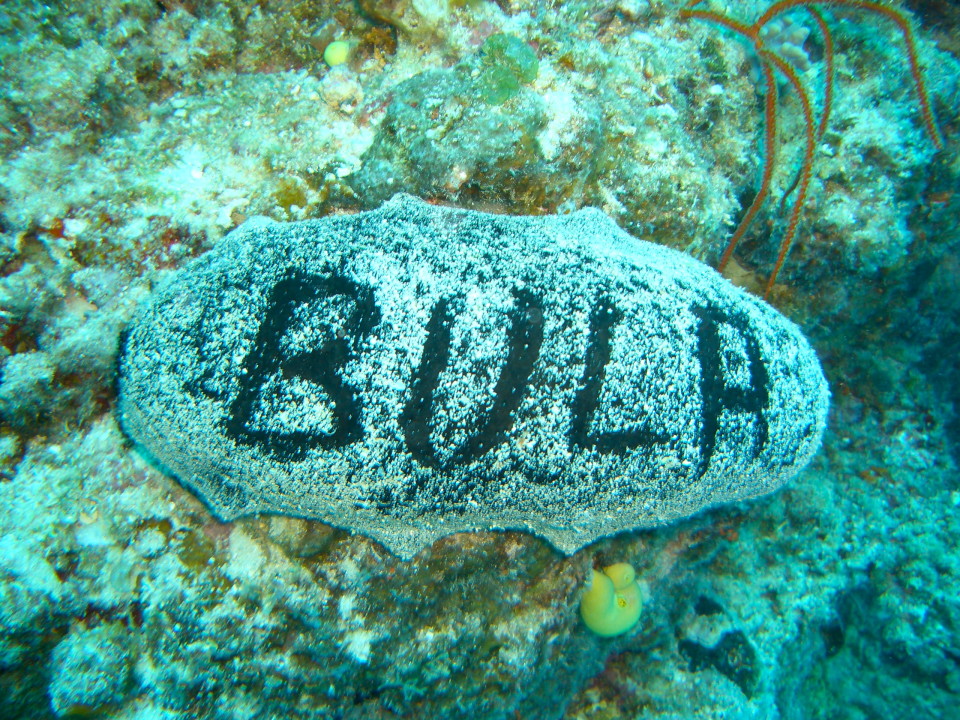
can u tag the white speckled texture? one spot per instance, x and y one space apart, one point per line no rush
706 395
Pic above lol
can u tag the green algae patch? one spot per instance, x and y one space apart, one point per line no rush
507 63
497 84
512 53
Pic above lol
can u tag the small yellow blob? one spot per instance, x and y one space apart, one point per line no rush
611 605
336 53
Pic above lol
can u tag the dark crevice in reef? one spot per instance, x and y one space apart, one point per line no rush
733 657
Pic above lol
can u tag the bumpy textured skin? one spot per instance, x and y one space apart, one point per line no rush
416 371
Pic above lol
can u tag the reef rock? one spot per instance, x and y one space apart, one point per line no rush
416 371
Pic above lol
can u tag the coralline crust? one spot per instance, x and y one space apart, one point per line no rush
416 371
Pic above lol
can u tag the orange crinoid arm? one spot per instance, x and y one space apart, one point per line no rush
906 30
770 60
770 101
806 164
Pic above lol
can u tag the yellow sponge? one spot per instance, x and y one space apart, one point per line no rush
337 53
611 604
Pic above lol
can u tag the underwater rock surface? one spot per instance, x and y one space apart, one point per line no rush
415 371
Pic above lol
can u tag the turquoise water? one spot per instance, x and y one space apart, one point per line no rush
441 464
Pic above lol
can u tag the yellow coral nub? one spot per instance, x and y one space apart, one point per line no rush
337 53
611 604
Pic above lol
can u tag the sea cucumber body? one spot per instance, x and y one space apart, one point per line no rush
417 370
